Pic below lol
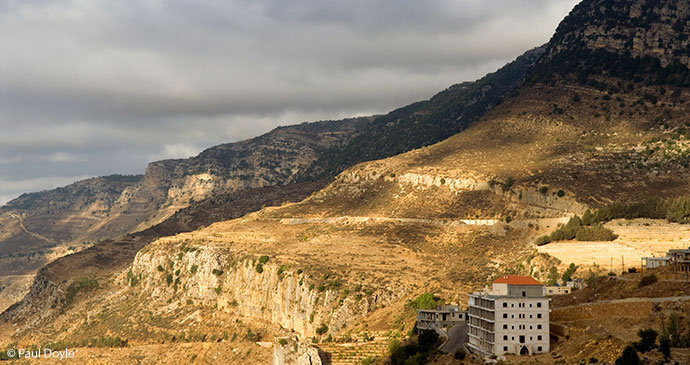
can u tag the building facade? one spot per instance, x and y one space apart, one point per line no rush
443 317
556 290
513 318
679 258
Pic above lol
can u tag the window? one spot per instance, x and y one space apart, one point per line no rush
505 326
539 348
530 305
530 327
530 316
512 306
538 326
505 348
505 338
505 315
512 316
538 305
538 315
524 294
505 305
512 327
539 338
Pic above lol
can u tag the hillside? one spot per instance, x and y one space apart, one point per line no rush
445 218
427 122
299 154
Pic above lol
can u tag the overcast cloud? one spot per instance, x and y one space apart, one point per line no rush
92 88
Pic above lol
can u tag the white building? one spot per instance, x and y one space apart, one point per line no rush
654 262
556 290
442 317
513 318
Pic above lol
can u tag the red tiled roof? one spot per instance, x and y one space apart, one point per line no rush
516 280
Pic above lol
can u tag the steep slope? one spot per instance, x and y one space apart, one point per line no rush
427 122
301 153
39 227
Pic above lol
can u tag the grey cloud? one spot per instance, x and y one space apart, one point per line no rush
96 87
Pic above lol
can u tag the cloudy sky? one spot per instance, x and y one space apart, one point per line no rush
95 87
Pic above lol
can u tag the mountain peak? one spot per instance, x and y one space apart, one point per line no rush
639 40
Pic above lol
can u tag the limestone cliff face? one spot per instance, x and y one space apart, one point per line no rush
641 28
451 188
216 275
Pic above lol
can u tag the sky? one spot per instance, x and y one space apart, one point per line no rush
92 88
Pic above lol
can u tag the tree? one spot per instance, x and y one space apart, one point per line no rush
552 278
587 218
647 340
665 345
628 357
568 273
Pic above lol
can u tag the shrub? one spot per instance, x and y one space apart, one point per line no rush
160 268
194 268
628 357
82 284
595 233
460 354
647 340
263 259
542 240
560 193
322 329
283 342
259 268
424 301
507 184
543 190
217 272
369 360
169 279
665 346
648 280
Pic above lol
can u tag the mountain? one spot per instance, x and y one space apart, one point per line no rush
298 154
348 261
636 42
427 122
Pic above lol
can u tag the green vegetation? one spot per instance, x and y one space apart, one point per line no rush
132 279
676 210
194 268
647 340
83 284
425 301
369 360
629 357
552 277
568 273
575 229
263 259
283 342
417 352
217 272
259 268
322 329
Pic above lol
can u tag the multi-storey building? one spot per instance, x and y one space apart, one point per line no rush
512 318
442 317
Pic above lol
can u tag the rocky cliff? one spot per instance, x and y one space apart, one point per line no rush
641 40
